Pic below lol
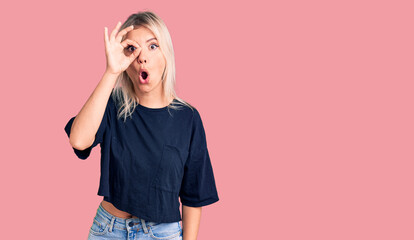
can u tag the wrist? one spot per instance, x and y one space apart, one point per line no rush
111 74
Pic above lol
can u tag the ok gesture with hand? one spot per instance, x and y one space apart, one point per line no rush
116 59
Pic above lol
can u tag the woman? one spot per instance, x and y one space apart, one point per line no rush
153 144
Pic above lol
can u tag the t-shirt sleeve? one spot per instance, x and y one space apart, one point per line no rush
103 127
198 187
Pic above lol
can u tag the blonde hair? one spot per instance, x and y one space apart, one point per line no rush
123 92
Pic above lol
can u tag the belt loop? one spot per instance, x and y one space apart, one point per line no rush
111 225
144 226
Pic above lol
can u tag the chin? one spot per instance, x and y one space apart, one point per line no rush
145 88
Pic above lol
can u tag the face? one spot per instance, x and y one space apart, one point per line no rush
150 58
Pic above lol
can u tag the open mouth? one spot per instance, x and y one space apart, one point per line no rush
144 75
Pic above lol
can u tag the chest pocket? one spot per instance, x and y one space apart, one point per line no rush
170 170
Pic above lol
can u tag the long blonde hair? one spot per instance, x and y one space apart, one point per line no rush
123 92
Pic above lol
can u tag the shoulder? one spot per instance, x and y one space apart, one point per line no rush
115 101
194 112
195 116
111 104
188 113
184 107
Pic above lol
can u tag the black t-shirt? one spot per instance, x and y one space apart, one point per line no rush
152 160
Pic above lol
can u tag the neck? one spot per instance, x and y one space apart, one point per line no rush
153 101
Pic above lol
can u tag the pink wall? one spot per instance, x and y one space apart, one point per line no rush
307 106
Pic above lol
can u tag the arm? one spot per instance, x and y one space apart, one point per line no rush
191 222
87 121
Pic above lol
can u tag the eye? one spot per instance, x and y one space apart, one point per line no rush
154 45
131 48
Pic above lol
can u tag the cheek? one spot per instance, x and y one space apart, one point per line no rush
160 63
128 72
131 73
131 69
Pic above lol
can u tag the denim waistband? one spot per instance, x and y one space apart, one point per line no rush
122 223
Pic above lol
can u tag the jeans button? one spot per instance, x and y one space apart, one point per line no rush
131 224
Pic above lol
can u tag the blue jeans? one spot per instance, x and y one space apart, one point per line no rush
107 226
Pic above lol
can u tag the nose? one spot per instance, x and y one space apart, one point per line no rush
142 58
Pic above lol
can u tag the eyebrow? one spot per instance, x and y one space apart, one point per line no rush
151 39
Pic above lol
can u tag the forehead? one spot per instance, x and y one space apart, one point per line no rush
140 34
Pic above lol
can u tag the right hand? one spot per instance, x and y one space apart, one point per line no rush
116 59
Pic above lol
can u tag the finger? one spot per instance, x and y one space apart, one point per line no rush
133 55
138 49
123 32
113 33
106 40
127 42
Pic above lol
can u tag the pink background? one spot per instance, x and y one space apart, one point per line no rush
307 106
